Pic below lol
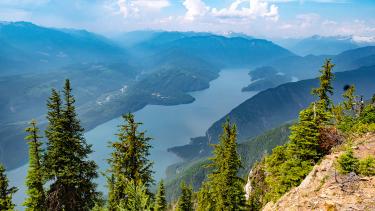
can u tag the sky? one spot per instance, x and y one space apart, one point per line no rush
261 18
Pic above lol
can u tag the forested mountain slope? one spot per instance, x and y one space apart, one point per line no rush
272 107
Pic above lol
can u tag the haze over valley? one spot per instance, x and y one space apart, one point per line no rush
185 71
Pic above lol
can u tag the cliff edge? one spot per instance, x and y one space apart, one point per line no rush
325 189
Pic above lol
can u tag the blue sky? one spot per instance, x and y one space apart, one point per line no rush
262 18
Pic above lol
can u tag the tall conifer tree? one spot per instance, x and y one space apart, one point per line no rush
6 192
129 162
225 187
160 201
185 202
325 89
70 172
349 97
34 179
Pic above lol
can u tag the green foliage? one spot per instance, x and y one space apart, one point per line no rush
138 198
349 97
205 200
34 179
367 116
6 192
160 201
185 202
69 171
129 163
288 165
224 186
250 151
347 162
325 89
361 124
304 137
366 166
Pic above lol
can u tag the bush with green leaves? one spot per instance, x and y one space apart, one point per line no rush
347 162
366 166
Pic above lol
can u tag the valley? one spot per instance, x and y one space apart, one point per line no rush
168 125
182 86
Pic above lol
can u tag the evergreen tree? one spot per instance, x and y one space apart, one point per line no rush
185 202
6 192
225 187
304 136
205 200
325 89
349 97
137 198
129 162
34 179
69 171
160 201
373 99
347 162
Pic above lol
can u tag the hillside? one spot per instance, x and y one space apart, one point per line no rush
318 45
305 67
28 48
250 152
325 189
273 107
109 79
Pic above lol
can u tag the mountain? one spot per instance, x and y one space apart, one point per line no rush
103 92
318 45
229 52
25 45
250 151
266 77
149 39
307 66
275 106
324 45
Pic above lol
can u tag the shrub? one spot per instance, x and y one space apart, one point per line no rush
329 138
347 162
367 166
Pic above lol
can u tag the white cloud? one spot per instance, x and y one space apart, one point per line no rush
134 7
251 9
151 4
195 8
244 9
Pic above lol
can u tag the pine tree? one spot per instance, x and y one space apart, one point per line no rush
205 201
34 179
160 201
69 171
129 162
137 198
185 202
225 187
6 192
304 136
325 89
349 97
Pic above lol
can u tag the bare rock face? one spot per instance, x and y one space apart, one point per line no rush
248 187
326 189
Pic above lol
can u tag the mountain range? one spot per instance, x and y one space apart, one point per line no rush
109 78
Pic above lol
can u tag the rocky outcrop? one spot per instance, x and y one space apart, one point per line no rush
325 189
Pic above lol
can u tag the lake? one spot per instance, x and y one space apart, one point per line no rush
168 126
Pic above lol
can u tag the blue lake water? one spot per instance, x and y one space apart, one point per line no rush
168 126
